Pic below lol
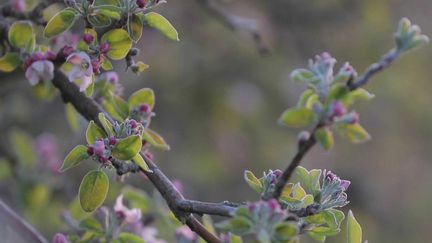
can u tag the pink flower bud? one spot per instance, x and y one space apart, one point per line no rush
99 147
104 47
90 150
50 55
88 38
38 56
277 172
112 140
345 184
96 65
68 50
59 238
141 3
337 109
144 108
133 123
273 204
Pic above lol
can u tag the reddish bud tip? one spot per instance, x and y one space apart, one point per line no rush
140 3
144 108
88 38
90 151
104 47
112 140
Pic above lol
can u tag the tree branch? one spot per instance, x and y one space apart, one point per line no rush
304 148
90 110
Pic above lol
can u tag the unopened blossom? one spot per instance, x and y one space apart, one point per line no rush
64 39
82 69
130 216
184 234
59 238
40 71
18 5
149 235
46 149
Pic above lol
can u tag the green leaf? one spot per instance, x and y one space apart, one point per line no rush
21 35
285 231
107 65
93 190
303 75
138 159
126 237
127 148
155 139
140 67
9 62
71 116
253 181
99 20
297 117
94 132
309 180
119 42
238 225
356 95
75 157
354 133
354 229
160 23
91 224
324 136
106 124
22 145
60 22
120 105
142 96
135 27
110 11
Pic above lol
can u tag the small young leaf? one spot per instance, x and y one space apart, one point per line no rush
138 159
91 224
354 229
127 148
119 43
106 124
297 117
155 139
60 22
354 133
93 190
21 35
135 27
9 62
75 157
94 132
126 237
303 75
285 231
99 20
71 116
238 225
142 96
324 136
252 181
160 23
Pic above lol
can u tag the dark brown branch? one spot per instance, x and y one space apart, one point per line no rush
90 110
222 209
296 160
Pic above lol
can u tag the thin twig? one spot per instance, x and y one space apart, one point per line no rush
304 148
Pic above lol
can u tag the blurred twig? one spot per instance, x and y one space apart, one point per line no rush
305 147
235 23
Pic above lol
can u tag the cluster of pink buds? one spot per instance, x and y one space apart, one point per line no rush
101 149
143 113
267 211
330 177
97 62
39 56
132 127
338 113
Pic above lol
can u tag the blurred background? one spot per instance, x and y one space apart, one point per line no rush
219 94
